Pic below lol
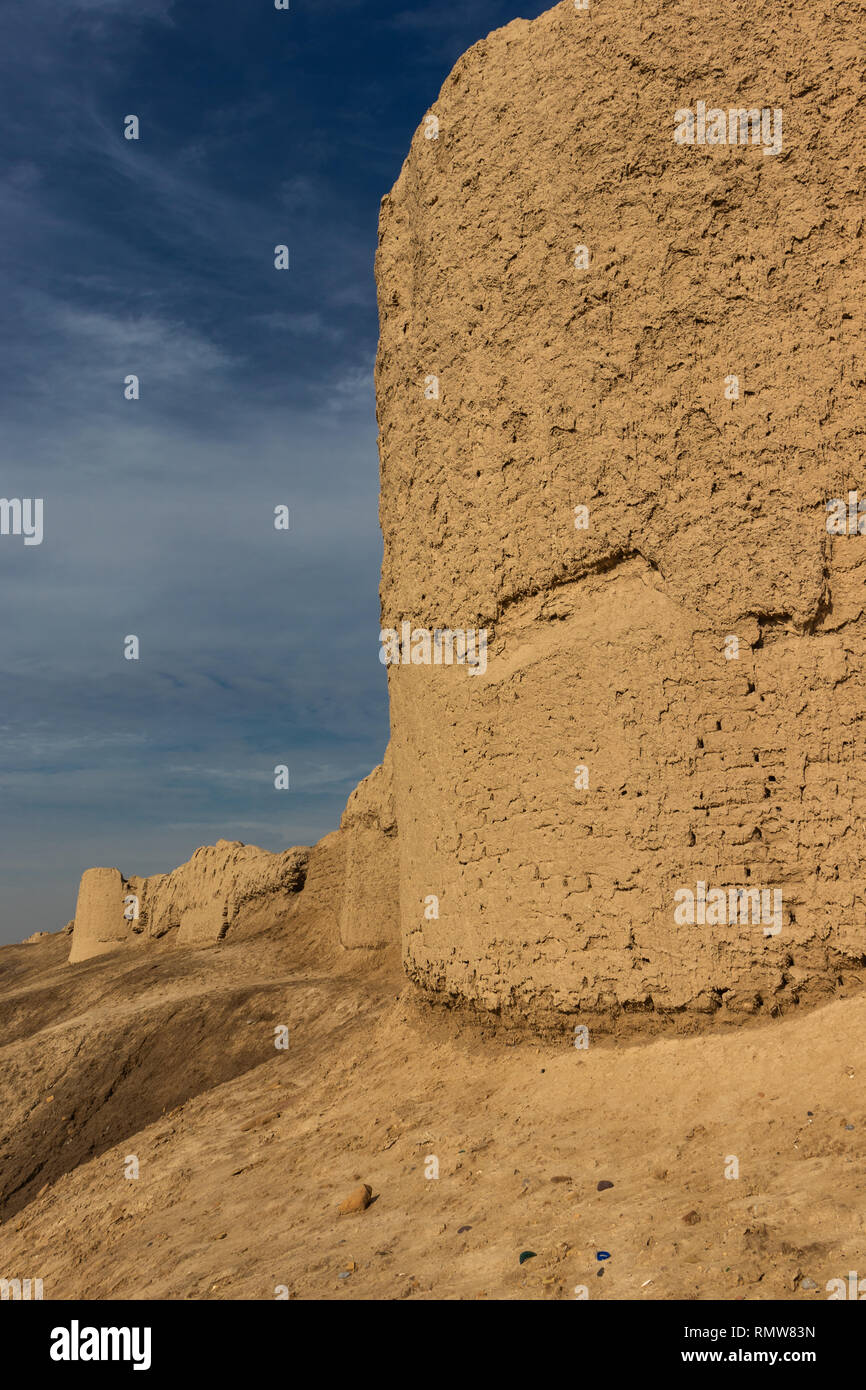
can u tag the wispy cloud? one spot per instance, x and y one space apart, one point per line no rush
155 257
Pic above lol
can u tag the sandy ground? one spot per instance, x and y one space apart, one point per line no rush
245 1151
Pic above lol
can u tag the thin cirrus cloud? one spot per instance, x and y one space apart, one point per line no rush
156 258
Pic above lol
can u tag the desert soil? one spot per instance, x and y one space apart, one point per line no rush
246 1151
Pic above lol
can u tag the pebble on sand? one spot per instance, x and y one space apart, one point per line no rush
357 1200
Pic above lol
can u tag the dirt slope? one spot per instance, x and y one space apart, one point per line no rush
370 1086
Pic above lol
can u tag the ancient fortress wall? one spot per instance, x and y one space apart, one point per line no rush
620 379
344 889
673 690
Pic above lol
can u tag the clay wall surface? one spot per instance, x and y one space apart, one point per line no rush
566 296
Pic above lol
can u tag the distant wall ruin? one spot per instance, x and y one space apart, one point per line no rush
346 883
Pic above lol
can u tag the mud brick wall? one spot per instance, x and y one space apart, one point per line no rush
517 382
344 890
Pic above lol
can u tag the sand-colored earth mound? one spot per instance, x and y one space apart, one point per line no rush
245 1152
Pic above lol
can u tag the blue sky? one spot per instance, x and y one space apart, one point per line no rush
155 257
